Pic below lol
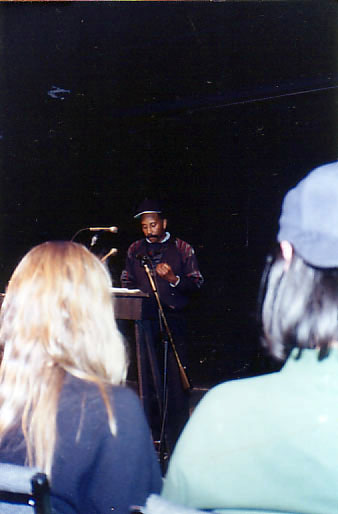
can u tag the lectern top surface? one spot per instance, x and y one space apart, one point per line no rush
123 291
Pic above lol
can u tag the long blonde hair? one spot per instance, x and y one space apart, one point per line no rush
57 317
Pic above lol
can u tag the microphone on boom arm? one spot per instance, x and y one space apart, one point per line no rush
95 237
113 229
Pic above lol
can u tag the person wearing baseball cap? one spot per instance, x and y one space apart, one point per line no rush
269 443
176 273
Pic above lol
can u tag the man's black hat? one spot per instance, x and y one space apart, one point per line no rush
148 207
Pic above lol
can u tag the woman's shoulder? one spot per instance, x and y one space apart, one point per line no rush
76 388
82 407
78 394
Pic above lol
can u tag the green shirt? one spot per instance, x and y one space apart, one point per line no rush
266 444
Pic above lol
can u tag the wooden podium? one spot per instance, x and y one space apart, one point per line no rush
129 304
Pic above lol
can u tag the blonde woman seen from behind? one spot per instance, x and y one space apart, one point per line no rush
63 404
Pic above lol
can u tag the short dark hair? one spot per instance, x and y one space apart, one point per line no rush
300 307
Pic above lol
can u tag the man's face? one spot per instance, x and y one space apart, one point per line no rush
153 227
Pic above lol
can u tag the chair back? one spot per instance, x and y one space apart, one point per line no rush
23 490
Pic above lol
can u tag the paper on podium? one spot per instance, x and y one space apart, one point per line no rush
117 290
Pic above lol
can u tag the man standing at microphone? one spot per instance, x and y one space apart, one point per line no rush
174 269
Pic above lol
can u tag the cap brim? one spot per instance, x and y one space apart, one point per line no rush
315 249
146 212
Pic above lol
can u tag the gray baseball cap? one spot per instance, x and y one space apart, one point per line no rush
309 217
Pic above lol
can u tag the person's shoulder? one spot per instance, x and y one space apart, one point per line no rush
124 394
125 399
129 412
74 387
135 246
234 391
244 383
183 246
78 393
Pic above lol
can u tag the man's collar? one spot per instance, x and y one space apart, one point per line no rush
166 237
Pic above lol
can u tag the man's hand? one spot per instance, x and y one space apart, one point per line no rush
164 270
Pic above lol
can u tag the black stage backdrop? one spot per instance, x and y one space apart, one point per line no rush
217 108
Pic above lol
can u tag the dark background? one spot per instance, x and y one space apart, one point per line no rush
216 108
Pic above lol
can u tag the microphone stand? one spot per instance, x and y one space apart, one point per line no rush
165 336
163 447
78 232
184 378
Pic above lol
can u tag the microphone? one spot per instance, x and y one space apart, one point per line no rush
112 229
144 259
112 251
141 257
